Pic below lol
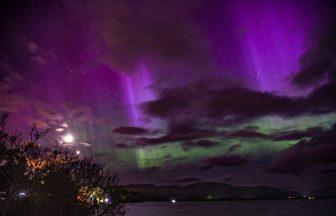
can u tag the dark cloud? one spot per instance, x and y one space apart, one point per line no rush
320 100
200 143
247 134
187 128
318 63
230 105
176 102
189 135
227 160
182 167
206 167
296 134
239 104
122 145
320 149
234 147
179 135
130 130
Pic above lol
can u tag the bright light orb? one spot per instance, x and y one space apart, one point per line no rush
107 200
173 201
22 194
78 152
68 138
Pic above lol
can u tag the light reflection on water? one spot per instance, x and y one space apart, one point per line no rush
235 208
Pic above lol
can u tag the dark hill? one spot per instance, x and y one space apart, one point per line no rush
208 190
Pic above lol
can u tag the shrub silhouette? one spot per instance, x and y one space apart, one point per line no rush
37 180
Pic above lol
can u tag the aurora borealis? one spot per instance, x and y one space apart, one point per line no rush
235 91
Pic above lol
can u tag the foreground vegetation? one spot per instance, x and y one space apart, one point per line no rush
37 180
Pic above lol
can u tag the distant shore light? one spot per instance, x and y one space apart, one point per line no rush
22 194
107 200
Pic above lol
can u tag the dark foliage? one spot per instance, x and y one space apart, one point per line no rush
52 181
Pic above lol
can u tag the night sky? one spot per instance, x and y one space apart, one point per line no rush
175 92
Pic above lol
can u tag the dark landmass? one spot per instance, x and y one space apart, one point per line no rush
328 192
205 191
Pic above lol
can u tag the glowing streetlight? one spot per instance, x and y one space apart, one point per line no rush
68 138
173 201
78 152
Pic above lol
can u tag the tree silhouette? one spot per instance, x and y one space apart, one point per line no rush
37 180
